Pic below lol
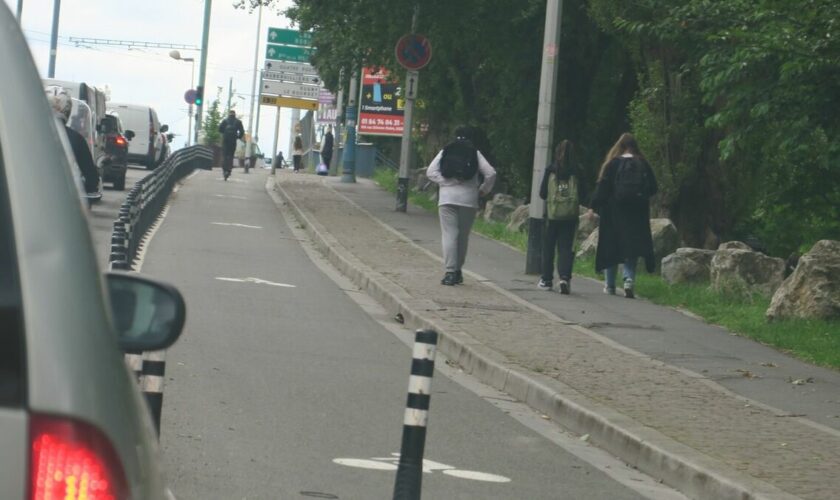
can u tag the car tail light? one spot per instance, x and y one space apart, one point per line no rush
71 459
120 140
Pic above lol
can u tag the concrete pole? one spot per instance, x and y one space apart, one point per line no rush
54 38
230 94
410 92
348 159
254 91
190 109
276 140
339 103
19 10
202 67
545 130
259 107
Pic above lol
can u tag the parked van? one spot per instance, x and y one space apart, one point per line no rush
95 100
146 147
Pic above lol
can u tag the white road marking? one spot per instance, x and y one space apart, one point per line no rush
256 281
476 476
429 466
364 464
195 172
236 224
230 179
230 196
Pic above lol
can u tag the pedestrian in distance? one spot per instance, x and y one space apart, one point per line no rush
297 154
622 199
279 160
463 175
232 131
327 147
563 190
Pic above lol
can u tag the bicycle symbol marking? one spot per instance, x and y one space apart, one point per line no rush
429 467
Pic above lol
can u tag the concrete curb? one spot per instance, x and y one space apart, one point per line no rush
693 473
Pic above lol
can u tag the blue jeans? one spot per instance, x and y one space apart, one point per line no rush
629 272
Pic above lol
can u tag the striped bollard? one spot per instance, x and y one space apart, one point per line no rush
410 469
154 370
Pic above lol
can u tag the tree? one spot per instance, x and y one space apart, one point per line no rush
210 125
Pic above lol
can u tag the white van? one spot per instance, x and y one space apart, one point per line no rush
147 146
96 101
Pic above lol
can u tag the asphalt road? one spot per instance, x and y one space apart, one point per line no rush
289 383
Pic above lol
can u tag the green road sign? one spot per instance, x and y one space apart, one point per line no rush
289 37
288 53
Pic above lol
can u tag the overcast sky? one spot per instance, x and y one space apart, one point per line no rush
150 76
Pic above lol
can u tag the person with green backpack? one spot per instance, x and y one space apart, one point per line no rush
563 191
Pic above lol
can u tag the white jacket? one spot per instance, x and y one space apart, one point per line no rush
458 192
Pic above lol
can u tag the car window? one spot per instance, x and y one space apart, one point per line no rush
11 314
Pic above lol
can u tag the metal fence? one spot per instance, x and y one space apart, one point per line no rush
146 200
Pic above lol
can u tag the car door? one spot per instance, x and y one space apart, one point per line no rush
13 414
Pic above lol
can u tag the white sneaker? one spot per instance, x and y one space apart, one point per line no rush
609 291
545 285
565 289
628 289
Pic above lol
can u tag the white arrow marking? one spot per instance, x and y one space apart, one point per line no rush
364 464
256 281
476 476
429 466
231 196
236 224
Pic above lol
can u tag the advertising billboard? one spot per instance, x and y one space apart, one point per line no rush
380 104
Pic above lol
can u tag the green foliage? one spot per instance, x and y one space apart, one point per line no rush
210 124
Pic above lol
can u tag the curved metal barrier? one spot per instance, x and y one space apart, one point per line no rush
146 200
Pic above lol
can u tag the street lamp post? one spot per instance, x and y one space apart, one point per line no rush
177 56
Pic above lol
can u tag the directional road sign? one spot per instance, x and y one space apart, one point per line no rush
291 77
288 53
289 37
288 102
291 67
288 89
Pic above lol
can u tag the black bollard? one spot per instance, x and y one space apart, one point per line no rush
410 469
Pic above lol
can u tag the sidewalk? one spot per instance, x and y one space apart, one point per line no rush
668 421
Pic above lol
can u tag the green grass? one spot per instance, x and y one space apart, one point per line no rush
815 341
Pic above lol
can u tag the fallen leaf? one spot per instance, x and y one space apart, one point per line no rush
769 365
585 437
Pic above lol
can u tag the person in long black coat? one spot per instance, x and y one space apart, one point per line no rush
622 200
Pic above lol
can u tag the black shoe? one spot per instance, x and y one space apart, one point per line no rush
449 279
459 277
628 289
565 288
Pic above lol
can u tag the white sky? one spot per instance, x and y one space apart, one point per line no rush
150 76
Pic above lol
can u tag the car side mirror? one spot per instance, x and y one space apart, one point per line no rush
148 315
164 128
169 137
129 134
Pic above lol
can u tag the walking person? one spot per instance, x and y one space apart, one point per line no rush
232 130
622 199
279 161
327 147
459 169
563 189
297 154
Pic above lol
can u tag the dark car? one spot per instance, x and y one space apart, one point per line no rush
115 160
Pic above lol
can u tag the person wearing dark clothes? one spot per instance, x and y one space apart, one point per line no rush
62 105
232 130
622 199
327 148
561 176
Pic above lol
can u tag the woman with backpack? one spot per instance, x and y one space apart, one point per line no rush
622 196
563 189
458 169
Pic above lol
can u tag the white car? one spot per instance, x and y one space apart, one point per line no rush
73 423
147 146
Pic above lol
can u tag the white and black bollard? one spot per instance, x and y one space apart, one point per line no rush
154 370
410 469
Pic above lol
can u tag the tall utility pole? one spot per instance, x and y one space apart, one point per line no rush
276 140
202 69
409 93
19 12
545 130
53 37
339 117
230 93
255 92
348 159
257 125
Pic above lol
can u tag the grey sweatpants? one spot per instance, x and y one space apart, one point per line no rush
455 226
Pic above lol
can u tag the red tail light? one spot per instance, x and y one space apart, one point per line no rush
72 459
120 141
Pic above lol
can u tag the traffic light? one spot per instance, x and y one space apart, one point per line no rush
199 95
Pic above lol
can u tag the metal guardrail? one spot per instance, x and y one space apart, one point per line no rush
146 200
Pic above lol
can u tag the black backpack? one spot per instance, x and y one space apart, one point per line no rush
229 131
631 181
459 160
